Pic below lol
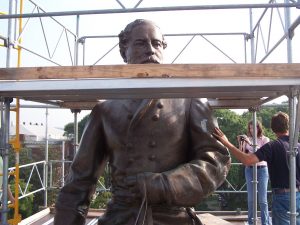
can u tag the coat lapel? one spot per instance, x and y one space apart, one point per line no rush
145 106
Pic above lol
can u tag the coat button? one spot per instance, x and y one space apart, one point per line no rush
160 105
155 117
152 157
152 144
129 145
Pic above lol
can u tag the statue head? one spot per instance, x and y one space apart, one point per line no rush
142 42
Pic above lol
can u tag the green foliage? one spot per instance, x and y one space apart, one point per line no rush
211 203
69 128
101 196
25 204
231 124
52 196
24 157
264 115
101 200
31 204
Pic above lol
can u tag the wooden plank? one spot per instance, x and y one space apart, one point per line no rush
233 103
83 105
211 71
209 219
38 217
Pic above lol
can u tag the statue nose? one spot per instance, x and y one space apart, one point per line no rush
150 49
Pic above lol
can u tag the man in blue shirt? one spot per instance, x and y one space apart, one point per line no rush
275 153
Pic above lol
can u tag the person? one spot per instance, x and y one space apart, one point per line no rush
162 155
9 193
275 153
246 145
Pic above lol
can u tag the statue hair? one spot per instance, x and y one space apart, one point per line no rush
125 35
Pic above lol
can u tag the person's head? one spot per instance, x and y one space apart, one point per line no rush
142 42
280 123
258 128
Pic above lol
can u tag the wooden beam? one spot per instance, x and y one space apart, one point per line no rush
83 105
209 219
211 71
233 103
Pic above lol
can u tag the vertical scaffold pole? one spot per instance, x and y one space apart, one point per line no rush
253 110
5 151
75 111
9 35
252 37
295 146
76 42
63 163
293 131
254 172
47 162
2 149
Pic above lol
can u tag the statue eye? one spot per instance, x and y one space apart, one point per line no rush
139 43
157 43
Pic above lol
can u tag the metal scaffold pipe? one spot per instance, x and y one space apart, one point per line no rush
47 161
5 118
292 157
153 9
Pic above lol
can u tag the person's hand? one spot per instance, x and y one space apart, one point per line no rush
220 136
239 139
244 138
12 200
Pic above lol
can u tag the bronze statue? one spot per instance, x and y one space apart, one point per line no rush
162 155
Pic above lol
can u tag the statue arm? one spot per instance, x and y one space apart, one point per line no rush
74 198
206 170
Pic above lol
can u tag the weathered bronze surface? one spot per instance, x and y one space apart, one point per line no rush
162 155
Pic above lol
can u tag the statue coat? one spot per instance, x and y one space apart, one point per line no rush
162 155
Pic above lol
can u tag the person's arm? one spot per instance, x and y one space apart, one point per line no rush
73 201
10 195
247 159
205 170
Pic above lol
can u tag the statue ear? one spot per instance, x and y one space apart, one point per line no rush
123 54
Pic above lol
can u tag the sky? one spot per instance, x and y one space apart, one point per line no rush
51 40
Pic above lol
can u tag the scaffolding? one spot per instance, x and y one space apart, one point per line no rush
243 83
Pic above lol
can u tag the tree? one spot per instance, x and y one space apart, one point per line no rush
101 197
264 114
26 205
232 125
69 128
26 208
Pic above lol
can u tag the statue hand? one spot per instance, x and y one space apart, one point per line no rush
131 187
130 181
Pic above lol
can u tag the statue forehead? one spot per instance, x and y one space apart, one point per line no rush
146 30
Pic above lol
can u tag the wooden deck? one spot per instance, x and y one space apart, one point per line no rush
46 217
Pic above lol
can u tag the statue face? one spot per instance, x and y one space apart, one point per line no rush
145 45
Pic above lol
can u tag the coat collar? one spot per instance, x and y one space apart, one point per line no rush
145 106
